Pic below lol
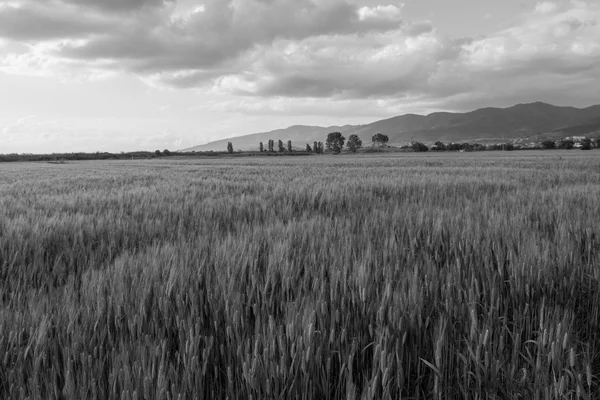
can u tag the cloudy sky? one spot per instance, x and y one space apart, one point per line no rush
120 75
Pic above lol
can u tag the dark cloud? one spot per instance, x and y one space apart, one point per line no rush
221 30
312 49
40 22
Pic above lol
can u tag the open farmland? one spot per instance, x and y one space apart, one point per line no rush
392 276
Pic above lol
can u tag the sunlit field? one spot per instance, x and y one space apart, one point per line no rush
396 276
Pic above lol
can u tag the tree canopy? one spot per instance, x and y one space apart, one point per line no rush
380 139
335 142
354 143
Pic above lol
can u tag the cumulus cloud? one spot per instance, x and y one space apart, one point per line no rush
357 66
308 49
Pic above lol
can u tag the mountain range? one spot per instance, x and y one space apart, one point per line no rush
532 121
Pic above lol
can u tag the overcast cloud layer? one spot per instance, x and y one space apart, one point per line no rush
281 55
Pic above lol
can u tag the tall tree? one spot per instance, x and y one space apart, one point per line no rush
229 147
380 139
354 143
261 147
308 149
271 144
280 146
290 149
335 142
316 147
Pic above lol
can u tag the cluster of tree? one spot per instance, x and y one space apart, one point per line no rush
318 148
568 144
95 156
335 143
439 146
419 147
271 146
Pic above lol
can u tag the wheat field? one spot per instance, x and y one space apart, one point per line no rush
395 276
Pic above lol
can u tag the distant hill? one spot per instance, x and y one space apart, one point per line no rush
486 124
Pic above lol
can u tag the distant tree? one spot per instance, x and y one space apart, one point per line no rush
166 152
586 144
566 144
320 148
419 147
478 147
289 146
157 152
335 142
229 147
271 145
596 142
466 146
261 147
380 139
496 146
438 146
508 147
354 143
548 144
280 147
308 149
453 147
316 147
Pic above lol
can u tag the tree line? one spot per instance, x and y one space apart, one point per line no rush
335 142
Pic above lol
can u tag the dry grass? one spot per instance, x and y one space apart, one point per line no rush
401 276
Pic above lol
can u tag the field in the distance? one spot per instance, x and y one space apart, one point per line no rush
398 276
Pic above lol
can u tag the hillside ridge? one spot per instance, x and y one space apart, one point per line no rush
487 124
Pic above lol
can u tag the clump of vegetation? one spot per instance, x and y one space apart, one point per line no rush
419 147
548 144
566 144
468 276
